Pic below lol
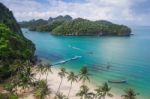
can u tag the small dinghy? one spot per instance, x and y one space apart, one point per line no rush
117 81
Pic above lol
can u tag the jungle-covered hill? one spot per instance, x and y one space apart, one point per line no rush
66 25
13 45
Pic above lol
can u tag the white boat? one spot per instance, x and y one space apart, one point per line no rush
76 57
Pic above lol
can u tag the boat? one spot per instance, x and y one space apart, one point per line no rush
75 57
117 81
62 62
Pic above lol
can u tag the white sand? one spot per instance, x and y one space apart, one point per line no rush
54 81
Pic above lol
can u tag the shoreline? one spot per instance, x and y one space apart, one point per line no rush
54 81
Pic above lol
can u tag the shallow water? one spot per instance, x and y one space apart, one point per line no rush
128 57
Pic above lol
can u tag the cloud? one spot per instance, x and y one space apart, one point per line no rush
119 11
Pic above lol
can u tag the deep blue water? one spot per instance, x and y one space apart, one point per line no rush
128 57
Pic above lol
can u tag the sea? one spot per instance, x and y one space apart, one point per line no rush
108 58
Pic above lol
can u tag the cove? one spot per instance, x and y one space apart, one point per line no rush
128 57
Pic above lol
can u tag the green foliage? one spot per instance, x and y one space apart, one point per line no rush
130 94
7 18
84 74
72 77
13 97
81 26
60 96
8 96
106 90
84 93
14 46
22 74
9 87
45 25
41 90
64 25
4 71
61 74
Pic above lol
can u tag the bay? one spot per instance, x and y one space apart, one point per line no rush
108 58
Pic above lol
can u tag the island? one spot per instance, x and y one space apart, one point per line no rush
66 25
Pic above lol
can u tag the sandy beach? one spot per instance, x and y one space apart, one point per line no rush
54 81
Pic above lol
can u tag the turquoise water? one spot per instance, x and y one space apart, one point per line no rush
129 56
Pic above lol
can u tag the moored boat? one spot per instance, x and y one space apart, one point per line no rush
117 81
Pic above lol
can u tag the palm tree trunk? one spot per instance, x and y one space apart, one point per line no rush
82 97
59 85
70 90
40 77
46 76
103 97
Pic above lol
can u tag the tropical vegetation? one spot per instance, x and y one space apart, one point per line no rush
84 74
130 94
65 25
42 91
18 73
61 74
13 45
72 78
81 26
45 25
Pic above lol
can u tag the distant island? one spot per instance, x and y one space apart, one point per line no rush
66 25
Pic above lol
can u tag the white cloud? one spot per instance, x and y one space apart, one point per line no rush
113 10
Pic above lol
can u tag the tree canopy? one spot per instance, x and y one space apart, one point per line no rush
13 45
65 25
81 26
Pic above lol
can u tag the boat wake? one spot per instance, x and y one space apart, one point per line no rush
67 60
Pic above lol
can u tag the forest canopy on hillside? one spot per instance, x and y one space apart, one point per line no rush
66 25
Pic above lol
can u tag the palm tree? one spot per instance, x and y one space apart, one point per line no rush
41 90
84 93
28 70
40 69
62 74
47 69
17 67
60 96
130 94
43 68
105 90
71 77
24 75
99 92
25 79
84 75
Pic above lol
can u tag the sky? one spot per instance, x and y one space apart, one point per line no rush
132 12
